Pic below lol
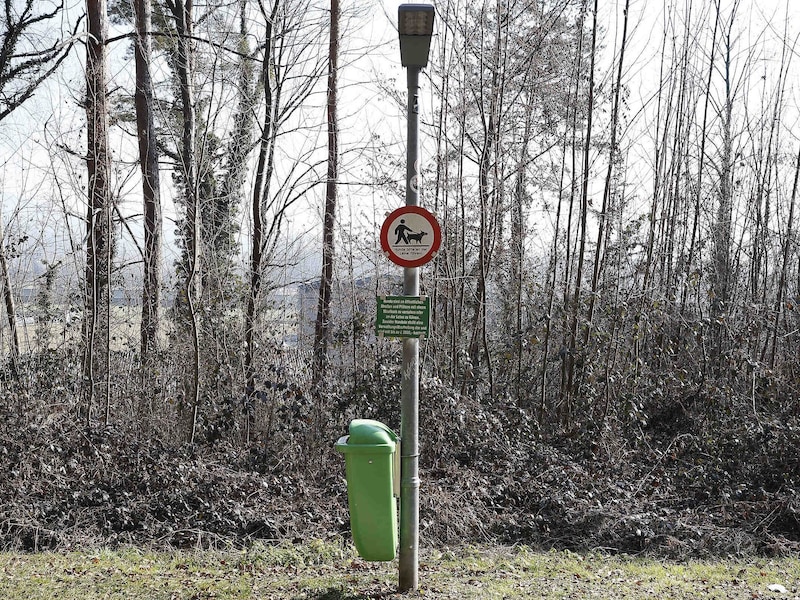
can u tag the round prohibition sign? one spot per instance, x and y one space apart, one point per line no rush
411 236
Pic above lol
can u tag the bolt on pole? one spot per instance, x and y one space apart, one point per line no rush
409 384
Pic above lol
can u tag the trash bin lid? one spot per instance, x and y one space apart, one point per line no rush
369 432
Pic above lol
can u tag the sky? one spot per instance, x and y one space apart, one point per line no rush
47 134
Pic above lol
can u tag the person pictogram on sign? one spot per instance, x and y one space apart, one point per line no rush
402 231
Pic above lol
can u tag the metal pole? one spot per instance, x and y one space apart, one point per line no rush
409 411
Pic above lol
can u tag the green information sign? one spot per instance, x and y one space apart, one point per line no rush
403 316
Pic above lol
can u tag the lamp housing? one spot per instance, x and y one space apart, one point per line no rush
415 26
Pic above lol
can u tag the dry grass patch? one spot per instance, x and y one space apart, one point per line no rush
324 571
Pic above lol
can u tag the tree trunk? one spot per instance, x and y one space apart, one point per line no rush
151 190
8 300
182 11
779 300
722 233
584 211
516 276
570 141
694 240
98 240
612 153
488 196
322 327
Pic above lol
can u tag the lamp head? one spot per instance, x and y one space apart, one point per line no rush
415 26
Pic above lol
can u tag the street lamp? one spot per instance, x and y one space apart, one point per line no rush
415 26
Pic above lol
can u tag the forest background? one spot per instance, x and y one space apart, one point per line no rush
191 199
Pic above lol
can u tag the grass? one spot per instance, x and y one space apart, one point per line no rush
321 571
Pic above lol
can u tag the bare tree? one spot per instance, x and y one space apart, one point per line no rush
291 66
182 11
564 204
504 76
23 68
722 236
694 240
260 190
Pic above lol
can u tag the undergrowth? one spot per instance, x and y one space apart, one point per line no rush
700 475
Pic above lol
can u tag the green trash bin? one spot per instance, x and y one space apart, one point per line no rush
371 456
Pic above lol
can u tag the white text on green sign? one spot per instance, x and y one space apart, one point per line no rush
403 316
